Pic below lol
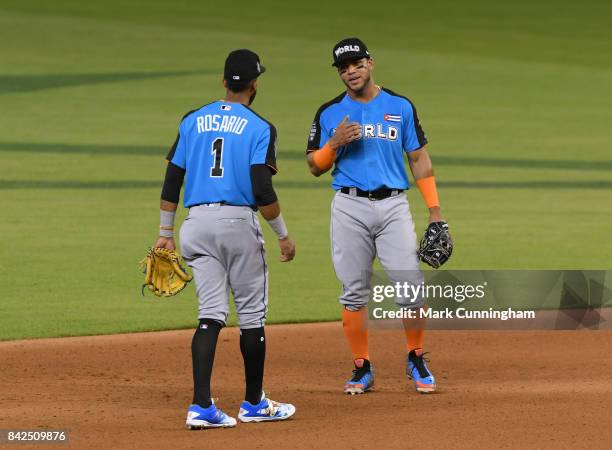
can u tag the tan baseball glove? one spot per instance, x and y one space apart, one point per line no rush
164 275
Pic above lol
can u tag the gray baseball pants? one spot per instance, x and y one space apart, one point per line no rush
224 247
362 229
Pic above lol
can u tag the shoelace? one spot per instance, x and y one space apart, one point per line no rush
419 363
359 373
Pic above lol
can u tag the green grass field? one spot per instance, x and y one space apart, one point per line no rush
514 97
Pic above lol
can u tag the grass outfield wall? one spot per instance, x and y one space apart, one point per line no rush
514 99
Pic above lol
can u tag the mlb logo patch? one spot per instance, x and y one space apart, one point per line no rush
225 107
392 118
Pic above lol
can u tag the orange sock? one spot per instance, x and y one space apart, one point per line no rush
355 324
414 338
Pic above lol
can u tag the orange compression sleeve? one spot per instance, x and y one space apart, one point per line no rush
324 157
414 338
427 186
355 325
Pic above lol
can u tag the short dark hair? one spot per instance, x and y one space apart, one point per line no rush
238 86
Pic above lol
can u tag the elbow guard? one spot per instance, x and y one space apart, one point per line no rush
261 181
171 191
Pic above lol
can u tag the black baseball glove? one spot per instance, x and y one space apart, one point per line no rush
437 245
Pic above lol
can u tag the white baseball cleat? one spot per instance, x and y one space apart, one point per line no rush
265 411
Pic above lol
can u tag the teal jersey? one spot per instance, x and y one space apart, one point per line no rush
390 127
216 145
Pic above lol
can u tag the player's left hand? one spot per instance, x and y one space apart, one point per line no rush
164 275
435 215
436 247
164 242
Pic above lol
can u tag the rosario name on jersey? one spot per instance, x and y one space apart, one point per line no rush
389 125
216 145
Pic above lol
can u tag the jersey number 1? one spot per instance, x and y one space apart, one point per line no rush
216 170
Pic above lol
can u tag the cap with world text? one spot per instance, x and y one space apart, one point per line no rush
242 66
349 49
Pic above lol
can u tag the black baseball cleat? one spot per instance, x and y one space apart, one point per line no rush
418 372
362 379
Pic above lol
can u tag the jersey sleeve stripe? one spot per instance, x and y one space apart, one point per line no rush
417 123
173 148
314 138
417 127
271 153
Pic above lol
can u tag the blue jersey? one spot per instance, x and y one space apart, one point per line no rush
217 145
389 125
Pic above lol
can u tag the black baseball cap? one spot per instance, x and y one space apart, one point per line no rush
242 66
348 49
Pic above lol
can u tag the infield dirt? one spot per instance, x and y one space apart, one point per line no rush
496 389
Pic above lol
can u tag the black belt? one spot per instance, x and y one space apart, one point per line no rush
378 194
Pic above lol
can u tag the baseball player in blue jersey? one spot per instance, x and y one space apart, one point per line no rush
225 154
363 134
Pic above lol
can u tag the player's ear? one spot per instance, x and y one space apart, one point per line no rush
225 85
371 63
254 85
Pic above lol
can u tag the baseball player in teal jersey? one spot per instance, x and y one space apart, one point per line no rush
227 153
363 134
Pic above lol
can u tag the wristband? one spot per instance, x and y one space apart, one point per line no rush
324 157
427 186
278 225
166 223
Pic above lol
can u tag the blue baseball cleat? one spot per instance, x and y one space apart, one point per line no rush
265 411
418 372
211 417
362 380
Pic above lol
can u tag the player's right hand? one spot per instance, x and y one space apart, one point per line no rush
164 242
287 248
346 132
